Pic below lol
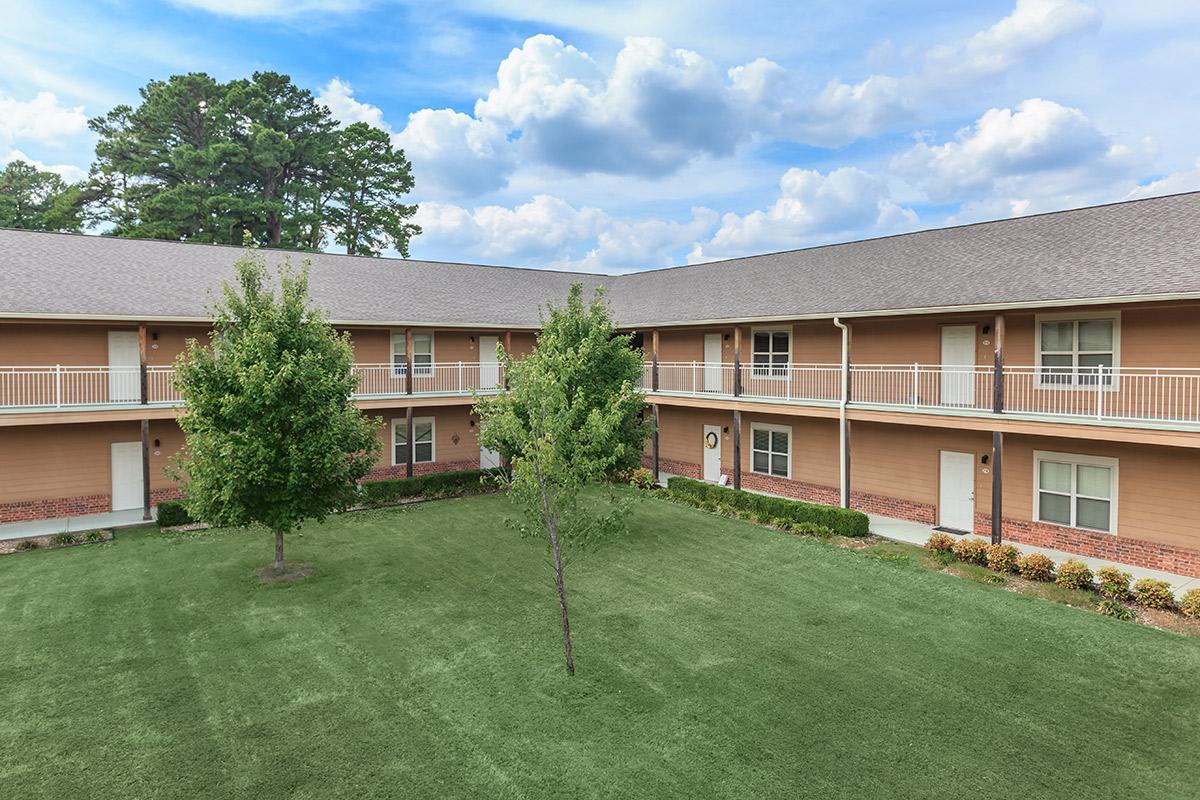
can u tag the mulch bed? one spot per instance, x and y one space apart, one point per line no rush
47 542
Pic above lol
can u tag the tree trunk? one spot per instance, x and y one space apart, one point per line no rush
562 601
279 554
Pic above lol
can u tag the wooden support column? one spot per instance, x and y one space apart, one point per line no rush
145 469
145 394
737 449
737 360
408 458
408 381
997 437
654 442
654 362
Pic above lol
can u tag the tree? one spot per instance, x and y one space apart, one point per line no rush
272 436
37 200
370 178
571 416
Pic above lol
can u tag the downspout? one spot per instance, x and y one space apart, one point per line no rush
843 450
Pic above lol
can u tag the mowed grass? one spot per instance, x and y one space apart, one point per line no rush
717 659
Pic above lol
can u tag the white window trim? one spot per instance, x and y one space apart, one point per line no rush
402 422
1077 316
766 426
1075 459
771 329
392 348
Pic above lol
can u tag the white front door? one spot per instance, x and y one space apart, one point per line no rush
956 495
126 475
124 361
488 459
712 363
489 364
958 365
712 453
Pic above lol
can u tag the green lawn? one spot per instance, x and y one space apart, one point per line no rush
422 659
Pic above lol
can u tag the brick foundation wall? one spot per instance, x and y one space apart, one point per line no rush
675 467
394 472
26 510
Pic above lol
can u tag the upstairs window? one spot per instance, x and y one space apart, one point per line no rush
1077 352
422 354
771 351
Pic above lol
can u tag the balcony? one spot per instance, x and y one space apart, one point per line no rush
59 388
1147 396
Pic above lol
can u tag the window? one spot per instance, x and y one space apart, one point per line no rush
1076 352
422 440
1077 491
770 353
770 450
422 353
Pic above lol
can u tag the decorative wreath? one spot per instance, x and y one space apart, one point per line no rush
710 440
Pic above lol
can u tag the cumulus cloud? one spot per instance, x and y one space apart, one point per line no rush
43 119
338 97
68 172
811 208
1187 180
1041 148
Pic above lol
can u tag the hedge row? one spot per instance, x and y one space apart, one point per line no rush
839 520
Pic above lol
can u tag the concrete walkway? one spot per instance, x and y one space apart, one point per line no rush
76 524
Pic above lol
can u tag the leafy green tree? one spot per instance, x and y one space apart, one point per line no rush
37 200
572 415
272 435
370 178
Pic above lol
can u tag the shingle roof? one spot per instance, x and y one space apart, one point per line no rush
1139 248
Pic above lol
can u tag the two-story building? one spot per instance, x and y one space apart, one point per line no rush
1036 378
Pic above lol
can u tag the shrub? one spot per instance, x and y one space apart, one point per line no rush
172 513
94 536
1002 557
27 544
1153 593
1074 574
1114 583
781 523
840 520
1189 604
971 551
940 542
431 486
1111 607
64 539
642 478
812 529
1035 567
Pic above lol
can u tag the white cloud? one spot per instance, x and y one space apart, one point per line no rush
1042 149
1187 180
338 96
68 172
454 154
1033 26
43 120
811 208
271 8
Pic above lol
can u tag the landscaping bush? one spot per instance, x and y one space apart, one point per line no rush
1189 604
781 523
64 539
1036 567
94 536
940 542
812 529
1002 557
1111 607
1074 574
840 520
642 478
1153 593
27 544
172 513
1113 583
971 551
432 486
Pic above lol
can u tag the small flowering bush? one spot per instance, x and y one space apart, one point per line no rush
1113 583
1035 567
1002 557
1153 593
940 542
1074 574
642 478
1189 604
1110 607
971 551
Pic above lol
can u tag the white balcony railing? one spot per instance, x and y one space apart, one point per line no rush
461 378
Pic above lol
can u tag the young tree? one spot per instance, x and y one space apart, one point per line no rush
571 416
272 436
37 200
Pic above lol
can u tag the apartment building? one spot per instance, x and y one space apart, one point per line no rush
1036 378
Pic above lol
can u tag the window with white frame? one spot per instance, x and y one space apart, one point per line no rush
422 440
770 352
771 450
422 353
1078 491
1077 352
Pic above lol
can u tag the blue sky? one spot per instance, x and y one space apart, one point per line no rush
631 135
